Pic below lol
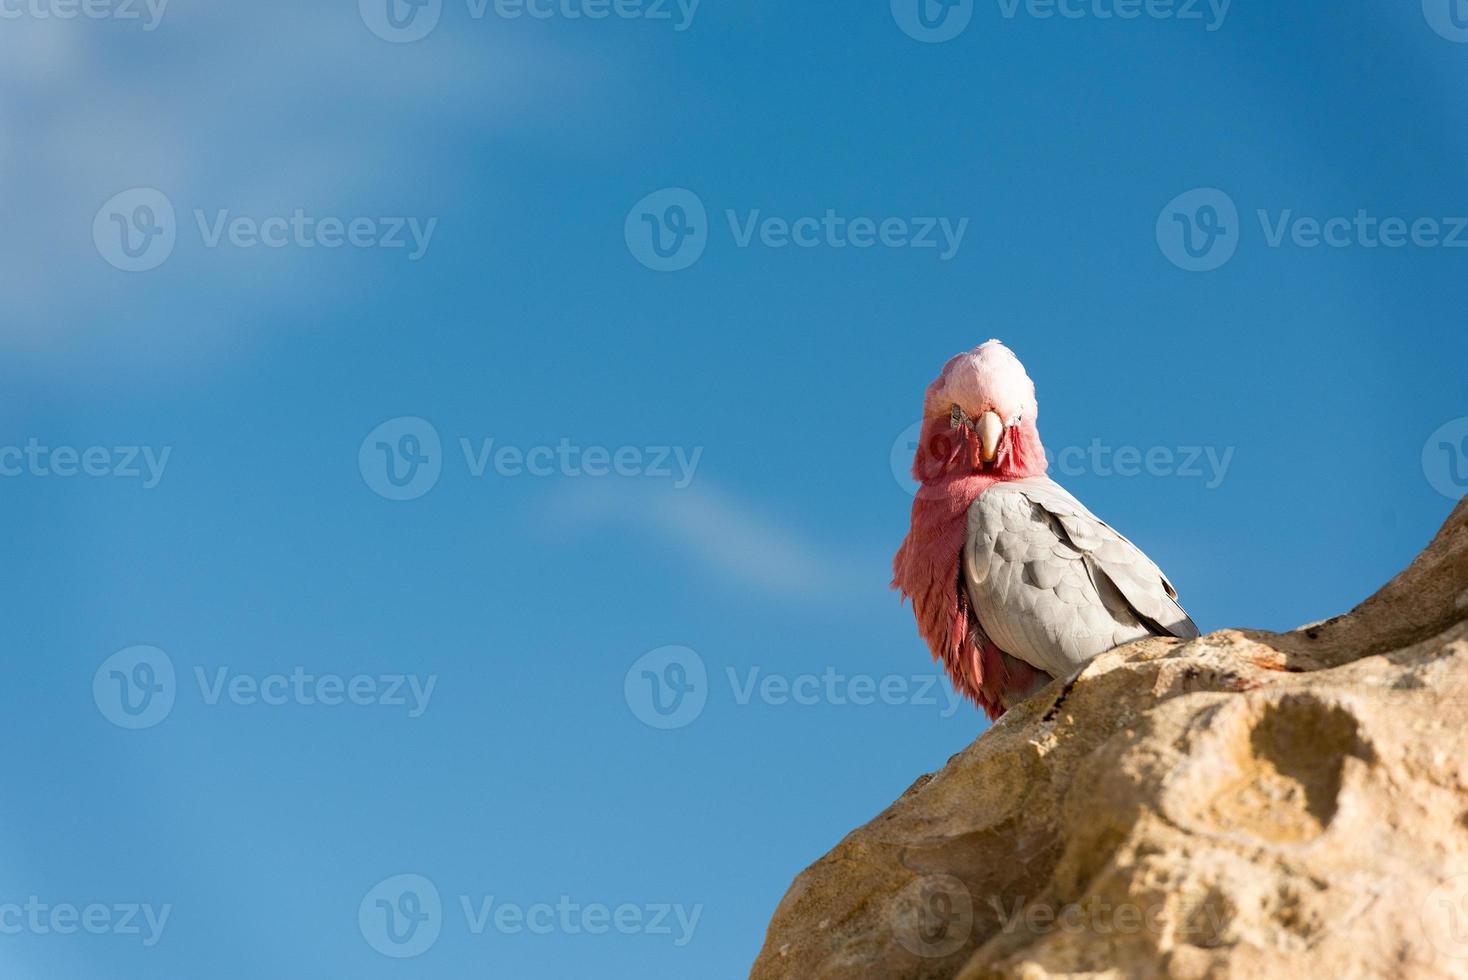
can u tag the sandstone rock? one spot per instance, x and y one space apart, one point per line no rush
1246 804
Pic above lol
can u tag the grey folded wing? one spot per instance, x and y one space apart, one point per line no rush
1054 585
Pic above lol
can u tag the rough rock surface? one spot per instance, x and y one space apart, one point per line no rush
1246 804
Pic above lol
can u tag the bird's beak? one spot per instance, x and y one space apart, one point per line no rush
990 430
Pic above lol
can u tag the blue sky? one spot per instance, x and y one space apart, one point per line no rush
690 481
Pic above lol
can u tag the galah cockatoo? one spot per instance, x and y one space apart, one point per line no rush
1012 580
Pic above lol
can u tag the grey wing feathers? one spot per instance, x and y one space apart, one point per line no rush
1054 585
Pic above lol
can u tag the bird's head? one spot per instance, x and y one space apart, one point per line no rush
979 417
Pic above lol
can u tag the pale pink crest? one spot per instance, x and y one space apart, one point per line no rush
987 378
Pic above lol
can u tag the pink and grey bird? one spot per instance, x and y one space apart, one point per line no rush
1013 581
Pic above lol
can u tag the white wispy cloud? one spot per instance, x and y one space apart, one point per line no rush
255 108
725 536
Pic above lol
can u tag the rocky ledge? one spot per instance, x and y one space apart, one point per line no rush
1246 804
